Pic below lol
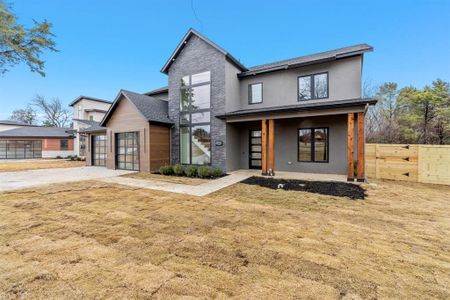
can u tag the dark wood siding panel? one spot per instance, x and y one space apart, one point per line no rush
159 146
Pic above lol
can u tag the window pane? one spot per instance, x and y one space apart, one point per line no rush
321 86
304 145
201 117
320 144
256 93
201 77
185 81
201 145
184 145
200 97
184 118
304 88
256 133
184 101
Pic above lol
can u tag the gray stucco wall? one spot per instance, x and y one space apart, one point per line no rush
280 88
197 56
286 144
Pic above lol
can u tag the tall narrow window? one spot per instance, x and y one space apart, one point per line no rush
313 86
313 145
63 145
255 93
195 119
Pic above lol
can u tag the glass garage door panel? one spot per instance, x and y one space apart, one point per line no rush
20 149
127 151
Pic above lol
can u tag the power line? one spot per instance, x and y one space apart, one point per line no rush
195 15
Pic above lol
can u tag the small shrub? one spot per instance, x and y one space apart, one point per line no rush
203 172
178 170
191 171
58 157
216 172
166 170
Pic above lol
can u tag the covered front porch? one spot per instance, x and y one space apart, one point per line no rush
309 147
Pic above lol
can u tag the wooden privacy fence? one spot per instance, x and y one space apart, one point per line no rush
418 163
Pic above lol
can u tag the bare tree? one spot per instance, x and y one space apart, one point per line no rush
26 115
53 110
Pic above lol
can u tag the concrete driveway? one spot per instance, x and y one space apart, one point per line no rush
25 179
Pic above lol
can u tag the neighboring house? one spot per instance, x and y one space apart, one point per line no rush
29 142
87 111
293 115
8 124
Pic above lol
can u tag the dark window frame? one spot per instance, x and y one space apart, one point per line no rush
117 146
250 149
190 125
66 147
312 87
313 145
250 95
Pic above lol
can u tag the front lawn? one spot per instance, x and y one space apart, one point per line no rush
97 240
167 178
13 166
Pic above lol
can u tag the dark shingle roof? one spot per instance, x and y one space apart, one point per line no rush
16 123
307 106
152 109
164 89
37 132
88 98
308 59
93 126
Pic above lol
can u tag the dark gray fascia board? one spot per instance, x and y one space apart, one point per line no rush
88 98
184 41
160 90
301 107
291 64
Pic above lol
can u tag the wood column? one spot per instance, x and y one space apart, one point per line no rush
264 147
360 149
272 147
350 146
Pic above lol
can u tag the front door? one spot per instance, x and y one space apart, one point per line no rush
98 145
127 151
255 149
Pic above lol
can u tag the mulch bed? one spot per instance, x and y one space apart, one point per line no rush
340 189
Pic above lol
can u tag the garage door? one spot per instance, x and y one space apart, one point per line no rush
127 151
20 149
99 150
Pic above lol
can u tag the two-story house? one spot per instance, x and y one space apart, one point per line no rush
87 112
304 114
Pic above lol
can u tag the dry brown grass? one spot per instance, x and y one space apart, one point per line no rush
165 178
91 239
13 166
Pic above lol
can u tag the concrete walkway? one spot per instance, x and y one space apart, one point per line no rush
194 190
26 179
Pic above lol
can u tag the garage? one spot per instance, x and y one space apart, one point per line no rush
99 150
127 151
20 149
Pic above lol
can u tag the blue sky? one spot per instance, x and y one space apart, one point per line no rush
108 45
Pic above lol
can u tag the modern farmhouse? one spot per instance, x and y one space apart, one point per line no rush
304 114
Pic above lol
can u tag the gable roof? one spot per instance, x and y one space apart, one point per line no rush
308 59
88 98
183 43
15 123
93 126
41 132
164 89
152 109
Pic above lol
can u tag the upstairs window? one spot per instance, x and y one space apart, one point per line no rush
255 93
313 144
313 86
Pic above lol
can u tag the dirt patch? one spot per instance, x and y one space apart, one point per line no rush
340 189
12 166
96 240
166 178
